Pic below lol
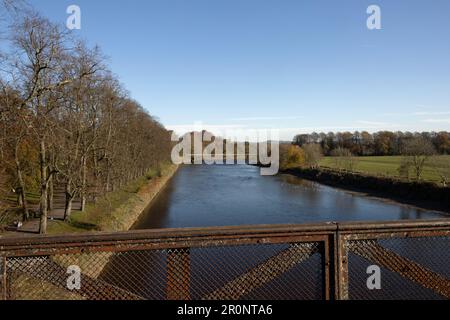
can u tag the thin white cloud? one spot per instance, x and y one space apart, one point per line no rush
198 127
265 118
416 114
439 113
310 129
375 124
394 114
437 121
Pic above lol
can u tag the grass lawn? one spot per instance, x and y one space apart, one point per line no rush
388 166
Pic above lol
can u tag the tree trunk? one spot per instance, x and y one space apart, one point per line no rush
19 196
26 213
50 193
44 184
108 179
96 177
69 198
22 192
83 186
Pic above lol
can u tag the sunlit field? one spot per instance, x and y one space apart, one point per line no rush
389 166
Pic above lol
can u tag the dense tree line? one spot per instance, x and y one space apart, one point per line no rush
383 143
66 120
417 150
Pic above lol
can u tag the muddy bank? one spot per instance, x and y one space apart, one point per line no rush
421 194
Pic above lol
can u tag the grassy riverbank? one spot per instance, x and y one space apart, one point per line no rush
388 166
119 210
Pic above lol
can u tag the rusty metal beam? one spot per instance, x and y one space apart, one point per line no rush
342 267
133 241
394 226
403 266
178 274
140 245
170 234
4 280
171 237
264 273
328 286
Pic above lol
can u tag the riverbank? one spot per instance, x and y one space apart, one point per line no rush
388 166
119 210
425 195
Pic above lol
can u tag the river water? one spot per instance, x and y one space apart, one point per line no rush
204 196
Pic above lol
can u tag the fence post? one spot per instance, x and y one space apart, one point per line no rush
342 267
329 269
178 274
3 279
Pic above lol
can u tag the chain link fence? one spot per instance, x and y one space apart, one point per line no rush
225 265
291 271
411 268
409 261
308 262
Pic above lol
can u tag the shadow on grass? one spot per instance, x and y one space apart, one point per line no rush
84 225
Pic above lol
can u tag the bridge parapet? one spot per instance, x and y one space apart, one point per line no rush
290 262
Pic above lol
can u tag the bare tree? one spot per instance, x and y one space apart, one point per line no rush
81 67
404 169
313 155
417 151
14 135
441 166
39 70
344 159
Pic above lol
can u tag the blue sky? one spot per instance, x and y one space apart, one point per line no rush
294 65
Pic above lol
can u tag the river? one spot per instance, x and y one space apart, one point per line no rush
203 196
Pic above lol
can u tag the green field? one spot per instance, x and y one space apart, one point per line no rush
388 166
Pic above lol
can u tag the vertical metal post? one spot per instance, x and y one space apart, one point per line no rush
327 269
3 278
342 267
178 274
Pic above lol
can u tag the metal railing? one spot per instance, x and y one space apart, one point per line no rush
290 262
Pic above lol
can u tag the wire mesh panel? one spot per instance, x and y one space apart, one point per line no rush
304 281
142 273
37 278
254 272
410 268
63 277
258 272
239 267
